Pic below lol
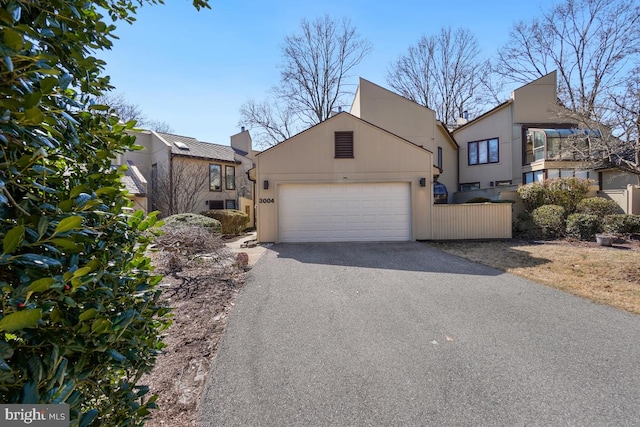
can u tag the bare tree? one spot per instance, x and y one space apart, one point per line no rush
444 73
182 189
589 42
157 125
314 79
271 121
611 138
128 111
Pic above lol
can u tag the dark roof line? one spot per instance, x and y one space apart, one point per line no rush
350 115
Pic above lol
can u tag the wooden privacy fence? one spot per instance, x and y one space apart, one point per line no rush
472 221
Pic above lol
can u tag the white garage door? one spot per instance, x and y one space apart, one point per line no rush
344 212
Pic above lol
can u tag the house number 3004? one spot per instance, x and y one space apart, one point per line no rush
266 200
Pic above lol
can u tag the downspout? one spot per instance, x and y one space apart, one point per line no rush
254 196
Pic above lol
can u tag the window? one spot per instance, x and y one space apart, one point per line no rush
216 204
343 145
483 152
505 183
215 178
538 146
229 204
230 177
439 158
469 186
530 177
559 143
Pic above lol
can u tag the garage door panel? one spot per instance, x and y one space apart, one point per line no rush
344 212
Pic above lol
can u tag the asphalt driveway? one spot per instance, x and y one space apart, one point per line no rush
403 334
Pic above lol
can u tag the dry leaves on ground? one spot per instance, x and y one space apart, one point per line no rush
607 275
201 281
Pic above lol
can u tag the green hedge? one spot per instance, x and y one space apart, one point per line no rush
80 316
478 200
598 206
190 219
550 219
583 226
622 224
565 192
233 221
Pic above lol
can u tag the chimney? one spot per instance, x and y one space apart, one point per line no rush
241 128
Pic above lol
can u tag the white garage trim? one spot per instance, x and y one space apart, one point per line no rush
344 212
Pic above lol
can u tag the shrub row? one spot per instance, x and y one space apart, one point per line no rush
565 192
193 220
549 222
232 221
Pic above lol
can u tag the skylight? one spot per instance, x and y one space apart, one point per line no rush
181 145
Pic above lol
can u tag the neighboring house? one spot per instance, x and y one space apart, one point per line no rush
136 185
528 139
187 175
520 141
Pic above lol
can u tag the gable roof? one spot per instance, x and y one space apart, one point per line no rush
484 115
187 146
395 94
343 114
447 132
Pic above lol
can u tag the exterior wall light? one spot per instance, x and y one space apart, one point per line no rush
423 182
265 184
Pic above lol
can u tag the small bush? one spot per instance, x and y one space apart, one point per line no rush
523 226
195 220
622 224
598 206
532 196
565 192
478 200
233 221
583 226
550 219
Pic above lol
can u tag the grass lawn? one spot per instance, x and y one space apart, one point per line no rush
607 275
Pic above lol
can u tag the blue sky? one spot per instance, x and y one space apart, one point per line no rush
194 70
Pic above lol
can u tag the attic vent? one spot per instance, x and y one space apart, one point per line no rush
180 145
344 145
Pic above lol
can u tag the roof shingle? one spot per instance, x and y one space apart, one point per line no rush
194 148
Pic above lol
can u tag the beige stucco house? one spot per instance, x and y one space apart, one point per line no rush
185 175
344 179
369 175
524 140
518 142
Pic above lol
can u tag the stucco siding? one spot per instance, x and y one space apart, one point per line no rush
536 101
496 125
616 179
396 114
